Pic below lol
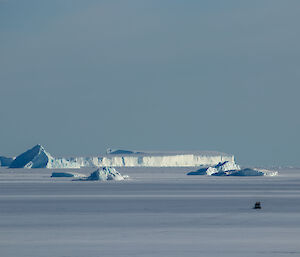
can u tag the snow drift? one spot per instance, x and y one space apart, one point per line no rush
231 169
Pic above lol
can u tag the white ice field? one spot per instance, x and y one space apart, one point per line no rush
157 212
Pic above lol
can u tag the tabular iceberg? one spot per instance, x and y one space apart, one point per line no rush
126 158
37 157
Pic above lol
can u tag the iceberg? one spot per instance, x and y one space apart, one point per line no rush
231 169
37 157
247 172
67 174
105 173
33 157
221 167
5 161
126 158
226 166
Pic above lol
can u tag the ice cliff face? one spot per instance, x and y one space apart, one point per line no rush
183 159
37 157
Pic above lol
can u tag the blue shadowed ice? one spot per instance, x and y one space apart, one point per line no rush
5 161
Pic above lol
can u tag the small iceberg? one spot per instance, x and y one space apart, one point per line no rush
104 174
219 168
246 173
67 175
232 169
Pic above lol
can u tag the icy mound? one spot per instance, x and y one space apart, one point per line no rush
67 174
104 174
5 161
37 157
232 169
219 168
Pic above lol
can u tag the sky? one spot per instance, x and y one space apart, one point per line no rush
79 77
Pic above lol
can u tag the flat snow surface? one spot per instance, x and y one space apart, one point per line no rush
157 212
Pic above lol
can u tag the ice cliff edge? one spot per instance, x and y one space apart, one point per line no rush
38 157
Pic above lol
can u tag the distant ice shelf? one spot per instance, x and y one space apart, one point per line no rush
38 157
127 158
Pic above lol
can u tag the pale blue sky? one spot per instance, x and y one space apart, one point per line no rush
81 76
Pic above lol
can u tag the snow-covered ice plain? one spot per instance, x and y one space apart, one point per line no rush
157 212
